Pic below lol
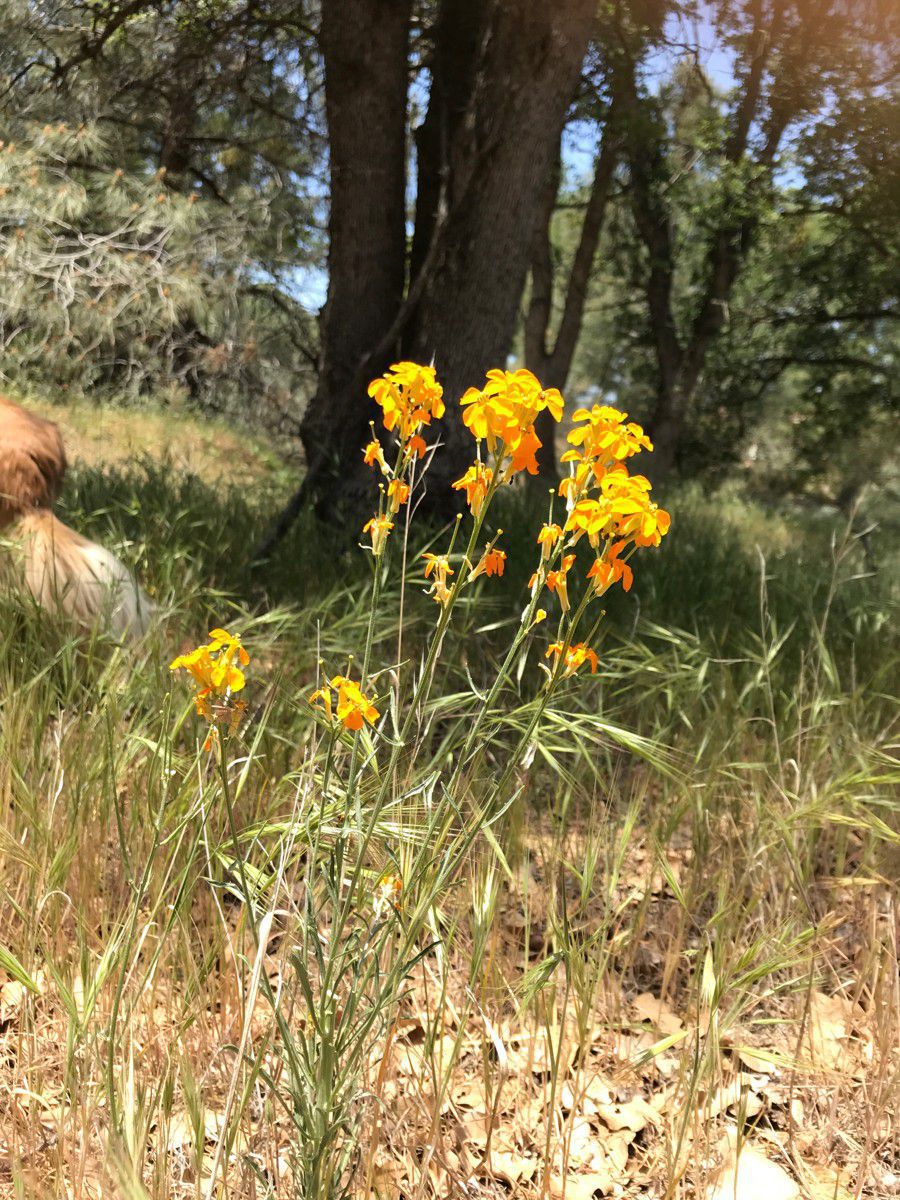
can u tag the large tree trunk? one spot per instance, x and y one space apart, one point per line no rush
364 47
459 32
504 150
536 327
504 72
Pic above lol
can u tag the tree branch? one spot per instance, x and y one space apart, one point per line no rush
540 304
583 261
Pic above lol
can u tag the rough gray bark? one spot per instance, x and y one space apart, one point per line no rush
502 154
459 34
364 47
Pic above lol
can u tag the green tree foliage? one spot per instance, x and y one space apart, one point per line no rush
111 280
719 256
175 145
765 282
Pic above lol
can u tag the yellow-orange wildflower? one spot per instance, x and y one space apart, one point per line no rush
589 517
492 562
602 433
410 397
322 697
547 539
373 455
475 483
438 567
213 675
216 678
575 657
503 412
227 646
398 493
388 895
649 526
349 704
523 448
610 569
353 708
609 515
378 529
556 581
573 486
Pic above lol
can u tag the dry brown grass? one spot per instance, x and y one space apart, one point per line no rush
678 963
103 436
608 1080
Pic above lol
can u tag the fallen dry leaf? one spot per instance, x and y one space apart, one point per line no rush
580 1187
635 1115
647 1007
824 1183
512 1168
12 993
749 1175
829 1027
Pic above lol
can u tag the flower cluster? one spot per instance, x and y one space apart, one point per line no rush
410 397
502 415
342 698
603 500
606 505
216 679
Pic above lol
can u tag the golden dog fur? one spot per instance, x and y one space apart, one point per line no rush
32 462
64 572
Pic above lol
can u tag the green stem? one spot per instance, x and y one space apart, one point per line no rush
138 894
419 697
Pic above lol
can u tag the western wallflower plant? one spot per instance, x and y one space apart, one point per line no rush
343 699
217 679
410 398
395 796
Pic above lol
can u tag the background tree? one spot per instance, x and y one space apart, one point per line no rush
721 261
787 56
497 69
113 282
713 188
549 345
216 101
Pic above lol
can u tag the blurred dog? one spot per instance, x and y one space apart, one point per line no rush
63 571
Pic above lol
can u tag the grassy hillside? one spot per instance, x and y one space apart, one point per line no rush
676 937
106 436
